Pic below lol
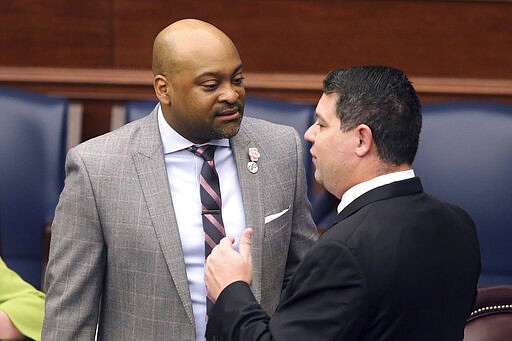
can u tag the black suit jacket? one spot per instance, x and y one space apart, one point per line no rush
397 264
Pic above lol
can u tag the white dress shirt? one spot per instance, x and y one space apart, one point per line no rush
356 191
183 169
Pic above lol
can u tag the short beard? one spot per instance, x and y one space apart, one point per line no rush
227 131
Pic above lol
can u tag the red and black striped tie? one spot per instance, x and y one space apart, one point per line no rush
211 202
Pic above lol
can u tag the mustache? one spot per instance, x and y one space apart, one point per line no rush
231 107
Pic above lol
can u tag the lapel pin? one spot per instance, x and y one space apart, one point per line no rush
254 156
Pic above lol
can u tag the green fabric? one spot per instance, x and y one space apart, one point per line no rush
21 302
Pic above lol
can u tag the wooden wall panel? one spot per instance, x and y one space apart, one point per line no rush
97 121
454 40
424 38
56 33
98 90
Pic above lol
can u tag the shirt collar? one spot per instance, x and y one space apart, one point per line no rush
172 141
356 191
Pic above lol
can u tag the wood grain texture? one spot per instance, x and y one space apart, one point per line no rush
98 52
424 38
56 33
129 84
462 39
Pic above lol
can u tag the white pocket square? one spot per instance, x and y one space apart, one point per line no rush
274 216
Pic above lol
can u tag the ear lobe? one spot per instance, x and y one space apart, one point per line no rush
364 133
162 89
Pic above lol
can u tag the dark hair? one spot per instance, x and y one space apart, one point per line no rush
382 98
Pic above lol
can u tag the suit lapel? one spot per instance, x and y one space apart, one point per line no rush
251 186
152 173
394 189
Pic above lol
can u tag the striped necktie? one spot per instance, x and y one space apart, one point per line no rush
211 202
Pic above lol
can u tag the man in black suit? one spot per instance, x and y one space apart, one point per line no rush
396 264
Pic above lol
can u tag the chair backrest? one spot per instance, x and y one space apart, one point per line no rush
297 115
491 319
465 157
139 109
32 153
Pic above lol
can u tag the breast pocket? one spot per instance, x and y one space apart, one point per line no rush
277 225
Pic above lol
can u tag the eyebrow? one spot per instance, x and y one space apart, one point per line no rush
319 116
219 74
238 69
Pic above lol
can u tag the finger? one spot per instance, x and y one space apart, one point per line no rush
245 244
227 241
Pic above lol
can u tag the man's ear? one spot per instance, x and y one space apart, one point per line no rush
365 136
162 89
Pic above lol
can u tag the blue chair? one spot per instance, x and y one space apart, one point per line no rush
32 152
139 109
465 157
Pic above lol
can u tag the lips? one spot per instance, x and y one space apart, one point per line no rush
313 157
229 114
234 107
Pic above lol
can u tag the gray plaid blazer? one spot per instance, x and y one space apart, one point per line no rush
116 259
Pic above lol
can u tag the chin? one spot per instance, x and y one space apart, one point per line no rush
227 131
318 179
230 133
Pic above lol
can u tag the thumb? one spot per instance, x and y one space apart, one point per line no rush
244 247
226 242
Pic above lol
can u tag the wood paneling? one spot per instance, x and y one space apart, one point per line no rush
56 33
97 118
451 49
116 85
424 38
462 39
98 90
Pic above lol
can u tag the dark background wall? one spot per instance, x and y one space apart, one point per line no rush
435 39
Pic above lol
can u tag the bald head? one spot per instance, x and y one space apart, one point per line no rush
198 80
185 39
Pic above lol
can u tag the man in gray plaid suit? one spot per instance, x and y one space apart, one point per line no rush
127 249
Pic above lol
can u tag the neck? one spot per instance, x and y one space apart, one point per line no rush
378 168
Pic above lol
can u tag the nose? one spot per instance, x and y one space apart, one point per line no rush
310 134
230 94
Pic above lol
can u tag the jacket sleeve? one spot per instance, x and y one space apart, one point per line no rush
23 304
76 264
325 300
